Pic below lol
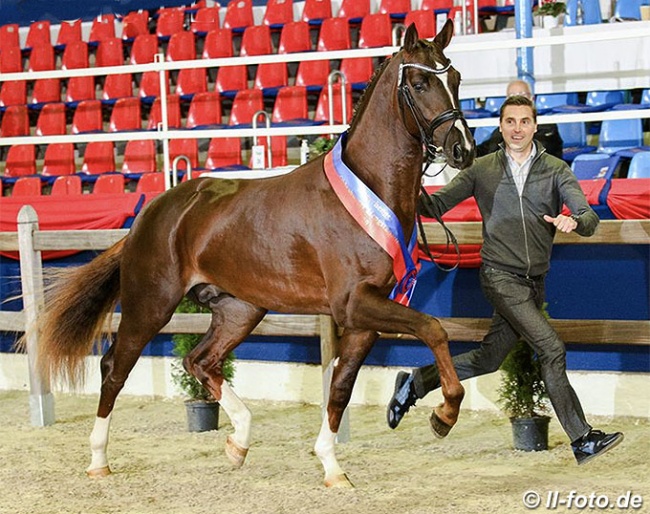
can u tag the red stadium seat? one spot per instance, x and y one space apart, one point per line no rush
67 185
334 35
231 78
224 152
27 186
59 159
170 21
186 147
69 31
290 104
21 161
295 37
247 102
181 47
75 55
205 110
277 13
322 109
144 49
151 183
139 156
218 43
126 115
11 60
278 151
191 81
103 27
206 20
135 23
256 40
239 14
150 84
316 10
424 22
46 91
9 36
80 88
354 9
15 121
13 92
395 6
38 34
51 120
109 183
41 58
110 52
117 86
87 117
312 73
376 31
271 75
99 157
173 113
357 70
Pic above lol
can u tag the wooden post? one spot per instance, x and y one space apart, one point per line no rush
328 351
41 400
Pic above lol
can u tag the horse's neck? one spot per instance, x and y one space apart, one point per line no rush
382 153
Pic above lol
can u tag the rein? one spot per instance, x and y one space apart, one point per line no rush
426 136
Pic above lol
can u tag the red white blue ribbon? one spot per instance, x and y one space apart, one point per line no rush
377 219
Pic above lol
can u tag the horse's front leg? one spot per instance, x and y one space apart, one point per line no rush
376 312
354 349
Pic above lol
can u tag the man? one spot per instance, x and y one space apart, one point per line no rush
520 190
548 135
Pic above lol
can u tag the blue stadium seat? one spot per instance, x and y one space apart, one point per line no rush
574 140
591 166
639 166
591 14
621 137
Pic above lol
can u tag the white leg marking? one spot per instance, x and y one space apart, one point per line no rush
324 448
98 445
239 415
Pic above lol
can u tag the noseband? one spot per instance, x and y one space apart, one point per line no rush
426 128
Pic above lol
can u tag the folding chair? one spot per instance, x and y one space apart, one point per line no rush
59 160
27 186
181 47
87 117
376 31
205 20
639 166
205 110
315 11
126 115
103 27
277 13
173 113
239 15
51 120
139 156
134 24
246 103
15 121
151 183
98 158
67 185
21 161
590 166
170 21
109 183
38 34
224 152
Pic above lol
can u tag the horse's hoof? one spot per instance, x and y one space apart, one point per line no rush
99 472
339 481
438 426
235 453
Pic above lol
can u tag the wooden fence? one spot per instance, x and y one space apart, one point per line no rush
29 241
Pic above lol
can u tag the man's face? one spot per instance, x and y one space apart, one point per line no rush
518 127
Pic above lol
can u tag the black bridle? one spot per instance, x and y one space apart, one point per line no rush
427 130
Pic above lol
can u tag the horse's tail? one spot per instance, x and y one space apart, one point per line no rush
77 305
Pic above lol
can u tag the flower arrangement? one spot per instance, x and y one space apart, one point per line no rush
551 8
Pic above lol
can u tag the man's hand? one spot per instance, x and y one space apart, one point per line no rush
562 223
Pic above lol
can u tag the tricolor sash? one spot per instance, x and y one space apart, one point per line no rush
377 219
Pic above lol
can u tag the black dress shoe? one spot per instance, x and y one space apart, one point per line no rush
595 443
403 399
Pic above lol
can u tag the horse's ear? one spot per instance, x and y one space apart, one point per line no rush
443 37
410 38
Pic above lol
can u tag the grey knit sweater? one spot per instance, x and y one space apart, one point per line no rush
516 238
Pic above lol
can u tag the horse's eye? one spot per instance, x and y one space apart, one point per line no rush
418 86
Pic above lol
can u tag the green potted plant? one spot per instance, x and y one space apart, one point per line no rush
321 145
523 397
551 12
201 408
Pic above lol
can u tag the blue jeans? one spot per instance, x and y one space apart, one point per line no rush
517 302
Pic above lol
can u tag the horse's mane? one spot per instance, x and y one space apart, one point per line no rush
363 99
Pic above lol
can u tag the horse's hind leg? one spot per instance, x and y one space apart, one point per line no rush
232 321
141 321
354 349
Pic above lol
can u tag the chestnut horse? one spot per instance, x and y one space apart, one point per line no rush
287 244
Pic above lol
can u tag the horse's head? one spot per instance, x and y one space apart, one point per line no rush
428 88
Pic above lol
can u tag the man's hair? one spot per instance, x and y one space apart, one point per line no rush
518 100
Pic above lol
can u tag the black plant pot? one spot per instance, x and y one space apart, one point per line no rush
202 416
530 434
